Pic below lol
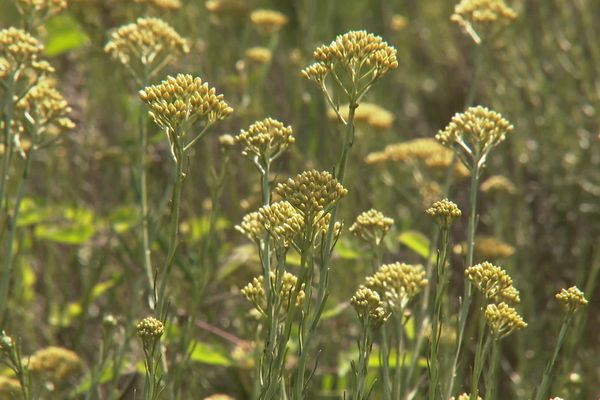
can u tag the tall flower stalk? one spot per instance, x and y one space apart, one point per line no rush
150 330
145 48
472 135
572 299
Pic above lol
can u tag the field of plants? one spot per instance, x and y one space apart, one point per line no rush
299 199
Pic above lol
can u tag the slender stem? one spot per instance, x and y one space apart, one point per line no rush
12 223
8 114
364 352
397 387
436 328
544 387
466 300
479 358
385 363
490 381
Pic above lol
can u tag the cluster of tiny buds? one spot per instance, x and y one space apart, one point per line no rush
282 221
266 139
353 51
498 184
503 319
255 293
148 41
493 282
258 55
150 328
311 192
372 226
477 17
369 307
444 211
227 7
40 8
182 101
474 133
56 363
268 21
572 298
464 396
397 283
162 4
18 49
371 114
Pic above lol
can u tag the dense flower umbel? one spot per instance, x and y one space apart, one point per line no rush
258 55
266 139
44 107
40 8
359 53
149 43
368 306
444 212
474 133
397 283
572 298
371 226
9 388
503 319
493 282
464 396
371 114
268 21
18 50
255 293
56 363
227 7
182 101
477 16
162 4
311 192
149 328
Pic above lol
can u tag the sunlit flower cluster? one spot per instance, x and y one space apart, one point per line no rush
397 283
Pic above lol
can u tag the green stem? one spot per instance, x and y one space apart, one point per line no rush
385 363
466 300
490 380
364 352
479 358
437 323
12 223
544 387
397 387
8 115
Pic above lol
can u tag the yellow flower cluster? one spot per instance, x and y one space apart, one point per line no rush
255 293
479 15
572 298
474 133
162 4
45 108
41 9
183 101
372 226
444 212
150 328
464 396
498 184
368 306
55 363
268 21
359 53
9 388
371 114
227 7
493 282
258 55
397 283
148 44
503 319
312 192
20 50
266 139
491 248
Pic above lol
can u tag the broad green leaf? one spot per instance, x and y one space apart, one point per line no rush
75 228
415 241
209 354
64 34
32 213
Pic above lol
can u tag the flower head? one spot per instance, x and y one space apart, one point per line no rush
372 226
368 306
227 7
444 212
150 329
162 4
9 388
464 396
498 184
503 319
148 44
56 363
572 298
474 133
255 293
479 16
182 101
493 282
40 10
281 220
19 50
266 139
357 55
371 114
268 21
258 55
312 192
397 283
